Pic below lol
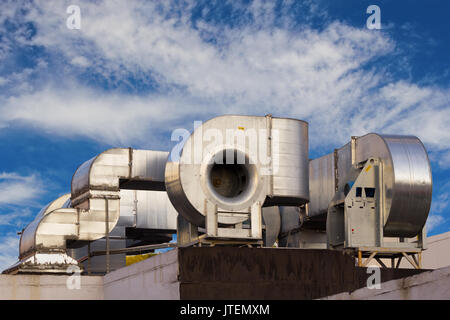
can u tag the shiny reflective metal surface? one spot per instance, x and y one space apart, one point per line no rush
321 184
141 209
407 179
232 165
103 174
343 161
290 174
50 231
31 236
147 210
272 222
269 155
93 208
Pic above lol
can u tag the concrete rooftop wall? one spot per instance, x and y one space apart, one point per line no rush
49 287
154 278
429 285
438 253
158 278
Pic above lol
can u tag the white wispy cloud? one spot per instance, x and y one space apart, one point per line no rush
433 221
19 190
440 207
9 244
255 68
261 64
13 221
17 194
442 200
444 159
16 217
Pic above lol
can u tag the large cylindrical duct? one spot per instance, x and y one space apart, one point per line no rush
407 179
233 162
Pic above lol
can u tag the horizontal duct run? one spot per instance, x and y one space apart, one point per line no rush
93 208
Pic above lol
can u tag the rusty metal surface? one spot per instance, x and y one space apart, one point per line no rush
266 273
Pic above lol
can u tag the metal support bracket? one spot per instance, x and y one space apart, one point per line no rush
392 254
237 233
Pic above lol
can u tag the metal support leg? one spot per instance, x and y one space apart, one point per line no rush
107 234
211 219
256 221
381 263
369 259
186 232
417 260
398 262
410 260
359 258
89 258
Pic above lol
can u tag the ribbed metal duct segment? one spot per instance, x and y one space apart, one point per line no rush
233 162
407 179
95 207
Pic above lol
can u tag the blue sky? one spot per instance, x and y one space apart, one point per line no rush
137 70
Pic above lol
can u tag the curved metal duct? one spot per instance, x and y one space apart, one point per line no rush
95 202
407 179
41 242
42 229
233 162
146 217
104 175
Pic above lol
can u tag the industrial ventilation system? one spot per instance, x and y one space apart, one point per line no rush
238 180
93 209
372 195
233 166
383 191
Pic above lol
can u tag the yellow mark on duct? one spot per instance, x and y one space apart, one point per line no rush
241 128
368 168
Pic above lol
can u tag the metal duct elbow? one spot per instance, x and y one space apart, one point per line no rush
96 185
104 175
95 205
233 162
42 242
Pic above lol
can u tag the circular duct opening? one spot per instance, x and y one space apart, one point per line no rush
231 177
229 180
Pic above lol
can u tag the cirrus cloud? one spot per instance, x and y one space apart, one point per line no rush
191 68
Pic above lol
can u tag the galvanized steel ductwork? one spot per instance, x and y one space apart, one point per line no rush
233 162
407 179
93 208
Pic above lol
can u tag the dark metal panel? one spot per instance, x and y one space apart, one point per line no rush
266 273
